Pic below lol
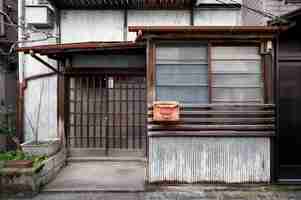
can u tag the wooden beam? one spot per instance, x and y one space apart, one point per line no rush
44 62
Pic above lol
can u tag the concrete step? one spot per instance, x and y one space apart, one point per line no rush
106 159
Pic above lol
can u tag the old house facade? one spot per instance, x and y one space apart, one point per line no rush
102 64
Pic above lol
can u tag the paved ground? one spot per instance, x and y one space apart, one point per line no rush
180 193
100 176
125 181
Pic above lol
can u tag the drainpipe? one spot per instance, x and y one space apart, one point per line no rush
21 17
21 63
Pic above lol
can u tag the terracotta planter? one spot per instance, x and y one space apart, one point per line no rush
18 164
47 148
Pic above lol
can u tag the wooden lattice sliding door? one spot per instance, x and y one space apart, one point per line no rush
107 112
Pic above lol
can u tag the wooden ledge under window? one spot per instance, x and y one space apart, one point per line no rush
218 120
211 134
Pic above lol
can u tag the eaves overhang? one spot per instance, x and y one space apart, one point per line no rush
57 51
209 32
122 4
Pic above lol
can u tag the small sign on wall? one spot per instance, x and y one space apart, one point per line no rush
166 111
110 82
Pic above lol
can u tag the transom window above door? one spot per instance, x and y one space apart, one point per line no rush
201 73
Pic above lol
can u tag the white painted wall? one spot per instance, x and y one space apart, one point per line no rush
217 17
30 67
157 18
91 25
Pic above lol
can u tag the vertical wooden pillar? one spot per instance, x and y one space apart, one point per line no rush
61 107
150 71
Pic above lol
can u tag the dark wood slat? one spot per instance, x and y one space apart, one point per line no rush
113 102
127 110
75 109
209 127
133 120
199 106
94 109
120 111
88 110
222 120
224 112
139 111
211 134
81 111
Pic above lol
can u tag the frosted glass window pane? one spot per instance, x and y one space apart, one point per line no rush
190 53
230 66
237 94
239 53
183 79
237 80
178 69
182 94
182 75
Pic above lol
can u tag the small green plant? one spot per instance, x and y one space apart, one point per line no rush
19 155
7 124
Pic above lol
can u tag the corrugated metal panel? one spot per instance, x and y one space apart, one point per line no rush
85 26
199 159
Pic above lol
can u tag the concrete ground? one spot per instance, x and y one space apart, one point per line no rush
106 176
198 192
115 180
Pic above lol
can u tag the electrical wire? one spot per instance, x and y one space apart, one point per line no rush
247 7
267 14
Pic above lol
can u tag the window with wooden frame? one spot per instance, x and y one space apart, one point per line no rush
182 73
201 73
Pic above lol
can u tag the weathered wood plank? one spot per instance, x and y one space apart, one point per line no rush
210 127
199 106
224 112
222 120
211 133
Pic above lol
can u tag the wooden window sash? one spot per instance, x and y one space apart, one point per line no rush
210 74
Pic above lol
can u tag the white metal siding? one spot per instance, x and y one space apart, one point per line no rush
157 18
48 116
198 159
91 25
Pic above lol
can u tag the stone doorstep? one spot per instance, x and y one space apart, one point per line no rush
108 159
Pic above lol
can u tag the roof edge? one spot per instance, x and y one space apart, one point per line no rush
207 29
